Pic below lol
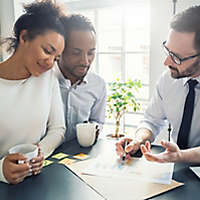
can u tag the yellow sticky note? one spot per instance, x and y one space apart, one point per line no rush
60 155
46 163
66 161
81 156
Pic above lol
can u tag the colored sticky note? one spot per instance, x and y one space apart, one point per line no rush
81 156
60 155
66 161
46 163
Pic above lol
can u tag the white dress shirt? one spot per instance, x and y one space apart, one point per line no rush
83 101
168 103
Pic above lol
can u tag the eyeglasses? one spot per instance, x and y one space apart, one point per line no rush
176 59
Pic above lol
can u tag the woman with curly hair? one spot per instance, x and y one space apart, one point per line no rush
31 105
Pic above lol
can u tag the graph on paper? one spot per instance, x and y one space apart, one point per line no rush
137 168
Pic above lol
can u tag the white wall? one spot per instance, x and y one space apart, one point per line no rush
6 19
10 10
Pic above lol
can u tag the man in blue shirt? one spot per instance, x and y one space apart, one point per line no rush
83 92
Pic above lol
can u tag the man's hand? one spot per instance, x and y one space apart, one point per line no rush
36 163
172 152
131 148
14 172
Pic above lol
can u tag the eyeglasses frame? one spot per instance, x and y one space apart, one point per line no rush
172 55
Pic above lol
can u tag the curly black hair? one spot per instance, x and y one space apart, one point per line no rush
76 22
39 18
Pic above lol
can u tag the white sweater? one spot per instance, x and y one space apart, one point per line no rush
31 111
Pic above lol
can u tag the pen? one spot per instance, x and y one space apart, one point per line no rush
124 154
169 131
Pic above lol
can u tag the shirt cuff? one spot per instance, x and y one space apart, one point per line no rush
2 178
149 127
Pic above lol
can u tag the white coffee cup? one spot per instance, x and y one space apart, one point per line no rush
86 133
28 150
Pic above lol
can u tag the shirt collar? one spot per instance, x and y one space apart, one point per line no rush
84 80
186 79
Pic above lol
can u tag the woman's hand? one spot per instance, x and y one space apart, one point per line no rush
36 163
13 172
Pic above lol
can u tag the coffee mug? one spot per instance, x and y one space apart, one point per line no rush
28 150
86 133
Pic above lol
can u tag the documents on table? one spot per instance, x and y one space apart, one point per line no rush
196 170
137 168
115 189
128 189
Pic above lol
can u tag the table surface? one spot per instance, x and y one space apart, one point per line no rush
57 182
182 173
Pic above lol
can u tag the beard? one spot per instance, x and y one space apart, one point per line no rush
78 71
193 69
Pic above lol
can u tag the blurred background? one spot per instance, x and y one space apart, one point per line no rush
129 41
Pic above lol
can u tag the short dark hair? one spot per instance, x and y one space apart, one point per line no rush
188 21
76 22
39 18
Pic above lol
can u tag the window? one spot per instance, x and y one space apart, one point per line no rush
123 40
123 43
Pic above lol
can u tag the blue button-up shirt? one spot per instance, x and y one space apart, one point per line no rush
83 101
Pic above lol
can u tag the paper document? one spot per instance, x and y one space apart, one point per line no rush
117 190
137 168
196 170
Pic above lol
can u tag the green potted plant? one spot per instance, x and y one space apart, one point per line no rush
121 97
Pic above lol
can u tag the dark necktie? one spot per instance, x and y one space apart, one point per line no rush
184 130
